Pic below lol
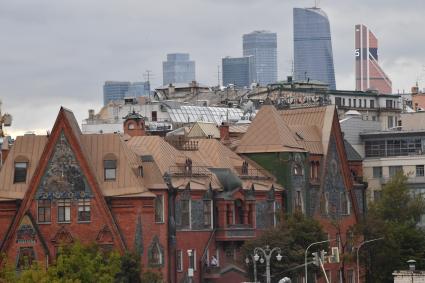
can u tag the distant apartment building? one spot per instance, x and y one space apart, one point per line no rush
384 108
369 74
263 46
313 57
178 69
116 90
239 71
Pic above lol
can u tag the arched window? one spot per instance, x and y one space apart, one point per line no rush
131 126
21 168
155 253
110 167
297 170
239 213
317 169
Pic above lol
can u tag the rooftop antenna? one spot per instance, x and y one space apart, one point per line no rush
218 75
316 3
147 75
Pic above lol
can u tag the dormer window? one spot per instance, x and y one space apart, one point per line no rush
131 126
110 167
21 168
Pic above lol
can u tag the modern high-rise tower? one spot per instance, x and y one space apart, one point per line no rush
369 75
313 57
239 71
178 69
263 46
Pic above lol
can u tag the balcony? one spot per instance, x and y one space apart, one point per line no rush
193 171
235 232
252 174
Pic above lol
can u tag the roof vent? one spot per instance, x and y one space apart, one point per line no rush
146 158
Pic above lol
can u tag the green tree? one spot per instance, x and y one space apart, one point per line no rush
130 269
293 235
395 216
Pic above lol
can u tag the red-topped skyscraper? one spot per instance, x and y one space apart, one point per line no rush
369 75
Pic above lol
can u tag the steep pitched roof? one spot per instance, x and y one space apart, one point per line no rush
352 154
204 130
27 148
268 133
65 127
313 124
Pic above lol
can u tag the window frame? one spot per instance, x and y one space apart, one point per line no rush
23 180
83 204
108 166
208 213
179 261
189 214
421 170
377 169
64 204
161 214
45 208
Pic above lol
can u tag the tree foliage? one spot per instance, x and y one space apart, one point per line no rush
395 216
293 236
78 263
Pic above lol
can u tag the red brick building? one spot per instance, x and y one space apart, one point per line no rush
137 193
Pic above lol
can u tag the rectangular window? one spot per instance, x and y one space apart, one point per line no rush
354 103
64 210
388 103
343 101
394 169
84 210
179 260
154 116
419 170
298 201
377 172
390 122
345 204
338 101
159 209
44 209
110 167
20 175
185 213
349 102
192 262
207 213
372 103
360 103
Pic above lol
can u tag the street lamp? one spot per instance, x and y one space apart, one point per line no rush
254 262
358 248
267 253
305 256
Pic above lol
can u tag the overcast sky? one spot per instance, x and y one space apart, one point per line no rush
55 53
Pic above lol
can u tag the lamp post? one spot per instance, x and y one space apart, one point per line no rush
358 248
306 253
267 252
255 266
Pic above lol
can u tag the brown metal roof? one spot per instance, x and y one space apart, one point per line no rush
30 147
268 133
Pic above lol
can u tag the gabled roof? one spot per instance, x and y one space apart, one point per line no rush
204 130
268 133
313 124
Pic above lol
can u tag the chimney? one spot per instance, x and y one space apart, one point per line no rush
91 114
224 133
171 89
415 90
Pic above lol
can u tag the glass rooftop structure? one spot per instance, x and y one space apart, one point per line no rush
190 114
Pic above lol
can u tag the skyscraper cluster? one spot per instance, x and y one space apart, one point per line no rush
258 64
178 69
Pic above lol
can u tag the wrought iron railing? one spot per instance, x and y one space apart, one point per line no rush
189 171
184 145
252 173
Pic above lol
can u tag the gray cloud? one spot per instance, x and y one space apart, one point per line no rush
60 52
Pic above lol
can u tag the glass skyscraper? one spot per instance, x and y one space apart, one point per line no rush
263 46
313 57
114 90
178 69
239 71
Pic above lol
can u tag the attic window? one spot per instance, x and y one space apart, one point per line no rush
131 126
299 136
20 175
110 167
